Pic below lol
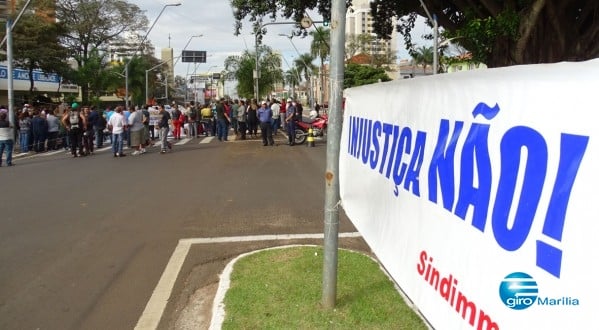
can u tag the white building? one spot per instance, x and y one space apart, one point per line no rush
360 21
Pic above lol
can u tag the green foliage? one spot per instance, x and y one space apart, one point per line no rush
358 75
257 10
242 69
282 289
502 33
479 35
423 56
93 25
36 42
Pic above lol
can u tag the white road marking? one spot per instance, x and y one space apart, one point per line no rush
50 153
150 318
182 142
207 139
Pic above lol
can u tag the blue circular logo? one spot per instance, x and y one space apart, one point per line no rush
518 291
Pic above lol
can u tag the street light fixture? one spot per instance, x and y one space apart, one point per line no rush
433 18
152 68
311 99
138 47
187 44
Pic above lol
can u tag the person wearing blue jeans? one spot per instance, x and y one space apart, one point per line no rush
289 120
118 125
6 138
117 144
222 120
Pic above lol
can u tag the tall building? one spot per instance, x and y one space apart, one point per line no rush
359 21
166 56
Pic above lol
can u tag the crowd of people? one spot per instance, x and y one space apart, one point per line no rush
81 129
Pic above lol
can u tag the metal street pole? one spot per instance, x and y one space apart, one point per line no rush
433 18
185 48
9 65
257 71
332 195
9 69
152 68
138 47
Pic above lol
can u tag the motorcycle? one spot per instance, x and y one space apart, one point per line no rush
318 125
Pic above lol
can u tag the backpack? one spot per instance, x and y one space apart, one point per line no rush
74 119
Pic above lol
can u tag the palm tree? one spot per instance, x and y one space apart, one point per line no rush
321 48
242 68
424 56
292 78
305 67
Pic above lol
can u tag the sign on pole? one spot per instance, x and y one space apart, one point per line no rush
193 56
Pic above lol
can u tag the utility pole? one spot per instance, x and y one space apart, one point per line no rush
332 195
138 48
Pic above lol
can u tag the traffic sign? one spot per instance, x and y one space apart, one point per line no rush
193 56
306 22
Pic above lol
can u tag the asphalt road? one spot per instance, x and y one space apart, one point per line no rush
84 241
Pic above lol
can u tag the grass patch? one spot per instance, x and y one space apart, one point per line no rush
282 289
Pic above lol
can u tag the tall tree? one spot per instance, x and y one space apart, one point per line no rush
501 33
242 67
94 24
358 75
321 48
306 68
423 56
36 42
292 78
498 33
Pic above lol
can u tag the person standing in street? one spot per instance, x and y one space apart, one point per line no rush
276 116
233 116
222 120
290 123
136 128
53 129
252 118
24 131
6 138
39 128
117 124
283 115
88 132
74 122
177 123
241 119
163 125
265 118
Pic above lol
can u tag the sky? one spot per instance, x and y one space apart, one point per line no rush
214 21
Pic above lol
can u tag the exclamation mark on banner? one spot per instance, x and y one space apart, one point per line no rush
572 149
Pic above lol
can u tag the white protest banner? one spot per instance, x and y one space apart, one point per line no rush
478 192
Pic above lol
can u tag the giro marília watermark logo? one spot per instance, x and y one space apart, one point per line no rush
518 291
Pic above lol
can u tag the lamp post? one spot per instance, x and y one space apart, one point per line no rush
433 18
152 68
257 32
311 99
138 47
187 44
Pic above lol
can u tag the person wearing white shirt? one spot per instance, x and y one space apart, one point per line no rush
136 131
117 124
276 116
